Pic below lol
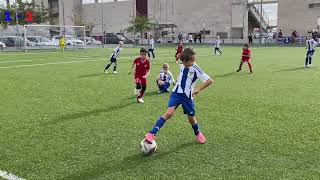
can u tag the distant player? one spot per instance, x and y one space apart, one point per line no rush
217 46
183 93
164 79
311 48
179 51
141 70
190 38
151 47
62 43
113 59
246 57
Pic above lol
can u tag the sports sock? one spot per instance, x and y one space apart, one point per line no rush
161 121
307 60
196 129
115 68
310 60
250 67
107 67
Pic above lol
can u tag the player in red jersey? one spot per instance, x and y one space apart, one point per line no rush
141 70
179 51
246 57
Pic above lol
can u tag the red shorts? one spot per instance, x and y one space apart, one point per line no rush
245 60
140 80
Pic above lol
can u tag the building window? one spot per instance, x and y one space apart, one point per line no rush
314 5
105 1
88 1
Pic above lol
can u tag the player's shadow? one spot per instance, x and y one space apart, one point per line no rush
94 112
91 75
147 94
291 69
131 163
231 74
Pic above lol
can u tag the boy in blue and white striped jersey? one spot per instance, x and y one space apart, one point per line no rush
183 93
113 58
165 79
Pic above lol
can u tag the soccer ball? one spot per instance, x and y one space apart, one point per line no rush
148 148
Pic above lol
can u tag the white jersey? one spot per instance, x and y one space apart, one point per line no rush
187 79
311 44
151 43
217 44
116 52
190 38
168 78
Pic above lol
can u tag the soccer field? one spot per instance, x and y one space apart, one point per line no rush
61 117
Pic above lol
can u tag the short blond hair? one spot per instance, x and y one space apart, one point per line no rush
165 66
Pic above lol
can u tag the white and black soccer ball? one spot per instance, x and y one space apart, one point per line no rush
148 148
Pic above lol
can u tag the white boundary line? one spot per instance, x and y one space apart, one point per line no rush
9 176
17 61
44 64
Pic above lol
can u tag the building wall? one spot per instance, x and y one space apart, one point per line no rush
296 15
192 16
116 16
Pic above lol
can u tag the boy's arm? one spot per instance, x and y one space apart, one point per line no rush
202 87
132 69
147 72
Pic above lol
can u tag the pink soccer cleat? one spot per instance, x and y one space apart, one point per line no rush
201 139
149 137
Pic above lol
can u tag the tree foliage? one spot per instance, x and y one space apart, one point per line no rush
28 13
141 24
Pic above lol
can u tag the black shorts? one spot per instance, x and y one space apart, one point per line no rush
113 60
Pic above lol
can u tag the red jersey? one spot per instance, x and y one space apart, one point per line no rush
245 54
142 68
180 49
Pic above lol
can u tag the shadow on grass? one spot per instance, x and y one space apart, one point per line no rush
129 163
88 113
91 75
291 69
147 94
232 74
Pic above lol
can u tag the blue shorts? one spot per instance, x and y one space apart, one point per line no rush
181 99
164 87
113 60
310 53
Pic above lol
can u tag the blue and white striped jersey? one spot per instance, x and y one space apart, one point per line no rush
187 79
311 44
116 52
168 78
151 43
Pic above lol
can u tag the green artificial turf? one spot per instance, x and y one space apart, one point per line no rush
72 121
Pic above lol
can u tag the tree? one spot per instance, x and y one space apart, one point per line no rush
28 13
140 24
77 21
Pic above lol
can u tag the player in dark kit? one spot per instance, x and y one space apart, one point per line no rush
179 51
246 57
141 70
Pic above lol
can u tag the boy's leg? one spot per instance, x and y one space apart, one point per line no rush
219 51
240 66
215 51
307 59
250 67
200 137
159 124
115 67
143 87
153 56
108 66
149 53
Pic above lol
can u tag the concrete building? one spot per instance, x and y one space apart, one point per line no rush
227 18
299 15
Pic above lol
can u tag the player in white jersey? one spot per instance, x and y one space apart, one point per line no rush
113 59
164 79
311 47
217 46
151 47
183 93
